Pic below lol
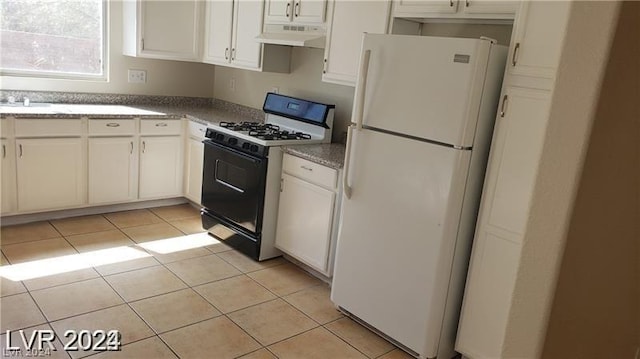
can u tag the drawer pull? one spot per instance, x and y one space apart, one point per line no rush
306 168
131 152
113 124
4 151
161 124
503 109
20 147
144 146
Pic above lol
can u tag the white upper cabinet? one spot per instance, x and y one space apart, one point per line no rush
231 28
247 24
349 20
218 22
162 29
536 45
425 6
472 9
297 11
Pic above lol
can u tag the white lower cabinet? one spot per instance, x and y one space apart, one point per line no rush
50 173
8 178
306 212
113 174
194 160
160 167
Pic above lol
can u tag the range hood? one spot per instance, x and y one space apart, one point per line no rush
293 35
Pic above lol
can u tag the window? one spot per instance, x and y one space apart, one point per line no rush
52 38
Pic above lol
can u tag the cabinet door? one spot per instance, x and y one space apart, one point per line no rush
515 153
536 43
195 159
349 21
218 31
489 6
247 25
304 221
170 29
504 210
112 170
278 11
309 11
8 177
50 173
418 7
160 167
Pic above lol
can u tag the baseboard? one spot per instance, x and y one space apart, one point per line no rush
84 211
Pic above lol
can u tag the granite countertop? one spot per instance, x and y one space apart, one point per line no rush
329 154
201 113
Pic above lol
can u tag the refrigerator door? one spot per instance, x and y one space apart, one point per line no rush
398 234
427 87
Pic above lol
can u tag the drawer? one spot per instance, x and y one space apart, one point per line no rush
310 171
112 127
42 127
161 127
5 128
197 130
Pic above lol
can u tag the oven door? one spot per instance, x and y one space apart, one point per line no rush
233 186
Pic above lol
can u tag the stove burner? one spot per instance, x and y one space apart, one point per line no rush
265 131
249 126
279 135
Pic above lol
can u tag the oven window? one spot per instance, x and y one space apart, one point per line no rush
231 176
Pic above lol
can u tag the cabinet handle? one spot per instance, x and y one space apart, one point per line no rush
233 53
281 183
113 124
466 3
296 10
451 3
503 108
161 124
20 149
324 66
307 168
144 146
131 152
514 58
4 151
226 53
142 44
287 11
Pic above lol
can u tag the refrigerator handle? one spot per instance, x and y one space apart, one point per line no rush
347 160
362 84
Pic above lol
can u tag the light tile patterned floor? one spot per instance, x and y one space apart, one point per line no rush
201 302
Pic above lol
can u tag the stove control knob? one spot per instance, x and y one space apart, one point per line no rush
246 145
219 136
233 141
254 148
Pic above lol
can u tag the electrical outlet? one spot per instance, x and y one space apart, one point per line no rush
232 84
137 76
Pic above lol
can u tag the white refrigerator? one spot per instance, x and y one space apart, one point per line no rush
423 116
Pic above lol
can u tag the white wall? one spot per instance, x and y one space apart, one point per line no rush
597 301
305 81
171 78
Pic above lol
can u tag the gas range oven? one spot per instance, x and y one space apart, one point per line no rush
242 166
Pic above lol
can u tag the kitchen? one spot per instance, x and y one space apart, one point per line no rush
305 82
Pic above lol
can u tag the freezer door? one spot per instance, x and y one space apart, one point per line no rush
397 236
428 87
